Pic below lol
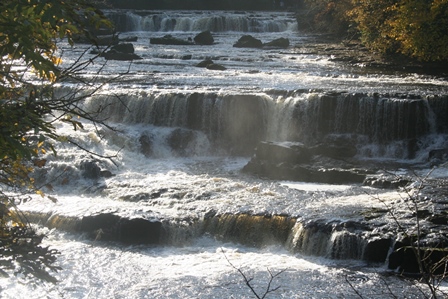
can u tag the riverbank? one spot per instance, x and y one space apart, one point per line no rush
353 52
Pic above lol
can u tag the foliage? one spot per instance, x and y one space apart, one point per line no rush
415 28
30 66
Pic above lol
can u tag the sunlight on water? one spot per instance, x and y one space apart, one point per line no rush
200 270
154 174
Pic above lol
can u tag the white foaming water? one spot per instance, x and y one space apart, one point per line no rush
174 186
200 270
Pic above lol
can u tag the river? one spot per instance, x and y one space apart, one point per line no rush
180 140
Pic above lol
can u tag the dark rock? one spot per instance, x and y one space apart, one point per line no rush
248 41
179 140
386 182
129 39
123 48
438 219
90 170
106 40
110 227
114 55
338 176
335 151
204 38
438 156
294 161
204 63
277 43
376 250
186 57
145 145
170 40
216 67
282 152
404 258
106 174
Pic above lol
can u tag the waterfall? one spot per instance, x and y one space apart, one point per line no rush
381 125
330 240
215 21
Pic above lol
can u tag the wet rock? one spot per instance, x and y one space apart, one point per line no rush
124 48
186 57
281 43
376 250
90 170
204 38
179 140
146 145
216 67
129 39
248 41
438 156
406 258
114 55
205 63
438 219
282 152
386 182
337 146
106 174
170 40
295 161
110 227
106 40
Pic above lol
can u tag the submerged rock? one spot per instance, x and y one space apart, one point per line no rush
216 67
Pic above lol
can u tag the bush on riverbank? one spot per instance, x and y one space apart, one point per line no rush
414 28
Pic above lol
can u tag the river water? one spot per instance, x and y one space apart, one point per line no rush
181 185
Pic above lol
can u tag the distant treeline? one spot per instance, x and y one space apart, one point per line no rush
414 28
206 4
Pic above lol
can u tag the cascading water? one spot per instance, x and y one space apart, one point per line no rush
181 136
215 21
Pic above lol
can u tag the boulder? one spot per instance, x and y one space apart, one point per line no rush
376 250
114 55
277 43
111 227
204 38
205 62
170 40
124 48
294 161
179 140
145 145
248 41
90 170
106 40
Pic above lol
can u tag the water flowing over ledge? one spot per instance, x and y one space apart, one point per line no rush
183 136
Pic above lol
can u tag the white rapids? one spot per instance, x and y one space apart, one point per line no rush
205 180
